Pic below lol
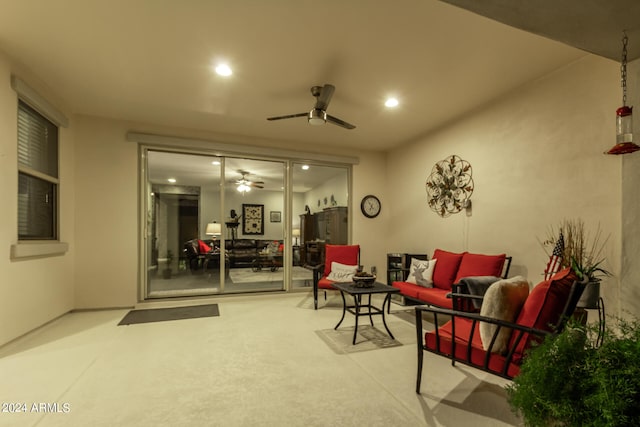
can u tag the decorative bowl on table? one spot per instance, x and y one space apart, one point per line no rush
363 280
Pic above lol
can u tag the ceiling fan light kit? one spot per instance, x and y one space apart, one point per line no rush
318 114
244 188
244 184
317 117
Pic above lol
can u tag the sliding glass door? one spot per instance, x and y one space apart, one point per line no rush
225 224
254 225
178 248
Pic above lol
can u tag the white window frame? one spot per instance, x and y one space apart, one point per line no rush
48 247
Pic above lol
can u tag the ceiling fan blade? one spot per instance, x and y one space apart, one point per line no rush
325 97
290 116
257 185
337 121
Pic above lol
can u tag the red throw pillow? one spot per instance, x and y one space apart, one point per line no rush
446 268
544 305
480 265
343 254
203 248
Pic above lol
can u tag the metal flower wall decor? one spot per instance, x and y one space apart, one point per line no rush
449 186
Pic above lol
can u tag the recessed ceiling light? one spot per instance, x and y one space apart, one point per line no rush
305 167
223 70
391 103
172 180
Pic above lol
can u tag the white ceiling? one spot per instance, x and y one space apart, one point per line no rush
150 61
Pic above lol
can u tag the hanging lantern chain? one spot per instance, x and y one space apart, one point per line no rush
623 68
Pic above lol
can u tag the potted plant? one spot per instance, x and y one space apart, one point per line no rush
583 252
166 273
568 380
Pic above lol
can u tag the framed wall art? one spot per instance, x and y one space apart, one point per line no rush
275 216
252 219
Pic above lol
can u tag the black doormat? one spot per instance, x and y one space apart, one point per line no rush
164 314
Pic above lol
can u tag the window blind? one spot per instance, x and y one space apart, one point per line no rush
37 175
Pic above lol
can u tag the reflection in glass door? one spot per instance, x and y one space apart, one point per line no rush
180 254
320 200
254 246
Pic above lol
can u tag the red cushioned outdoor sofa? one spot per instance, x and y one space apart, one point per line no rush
545 311
449 269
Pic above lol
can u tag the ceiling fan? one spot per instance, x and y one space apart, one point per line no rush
244 184
318 115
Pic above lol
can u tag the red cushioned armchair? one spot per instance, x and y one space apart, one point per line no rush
545 311
343 254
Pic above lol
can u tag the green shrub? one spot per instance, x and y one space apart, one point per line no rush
568 381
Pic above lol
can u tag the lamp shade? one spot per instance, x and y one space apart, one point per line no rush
213 229
295 232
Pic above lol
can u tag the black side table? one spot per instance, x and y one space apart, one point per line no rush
369 310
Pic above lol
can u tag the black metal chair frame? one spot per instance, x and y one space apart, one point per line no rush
318 270
476 319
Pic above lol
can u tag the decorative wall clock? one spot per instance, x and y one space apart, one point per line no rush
449 186
370 206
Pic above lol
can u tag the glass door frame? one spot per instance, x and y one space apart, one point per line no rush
144 201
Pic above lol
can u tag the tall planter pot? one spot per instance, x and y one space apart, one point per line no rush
590 296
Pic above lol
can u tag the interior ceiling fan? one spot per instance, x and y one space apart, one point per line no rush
244 182
318 115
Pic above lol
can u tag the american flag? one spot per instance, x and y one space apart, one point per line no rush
555 260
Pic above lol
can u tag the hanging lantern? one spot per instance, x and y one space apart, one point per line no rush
624 114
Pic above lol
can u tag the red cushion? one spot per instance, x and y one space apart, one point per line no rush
344 254
407 289
325 283
479 265
477 356
544 305
435 296
203 248
446 268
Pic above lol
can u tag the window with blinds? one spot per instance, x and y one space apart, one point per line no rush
37 175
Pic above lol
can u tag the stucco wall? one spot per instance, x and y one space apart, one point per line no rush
33 291
107 214
537 158
630 269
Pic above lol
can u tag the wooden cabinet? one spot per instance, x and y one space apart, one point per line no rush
307 234
307 228
335 225
330 226
314 253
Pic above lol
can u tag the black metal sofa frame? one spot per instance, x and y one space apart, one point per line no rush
460 349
